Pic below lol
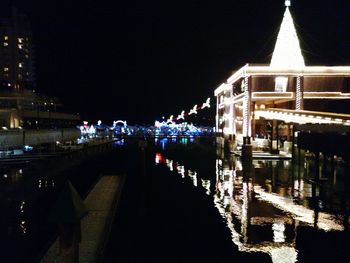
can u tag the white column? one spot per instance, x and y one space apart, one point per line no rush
246 108
299 94
217 114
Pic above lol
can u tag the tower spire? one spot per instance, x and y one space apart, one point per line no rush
287 53
287 3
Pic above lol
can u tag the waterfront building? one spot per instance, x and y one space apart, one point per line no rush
259 104
20 106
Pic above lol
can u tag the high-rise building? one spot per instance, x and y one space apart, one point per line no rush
16 53
20 105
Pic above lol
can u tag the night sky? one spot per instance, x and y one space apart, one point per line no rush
139 60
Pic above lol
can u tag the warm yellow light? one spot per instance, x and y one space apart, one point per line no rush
20 65
6 44
281 84
6 38
20 40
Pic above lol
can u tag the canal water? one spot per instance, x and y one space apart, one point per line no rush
193 203
186 201
28 190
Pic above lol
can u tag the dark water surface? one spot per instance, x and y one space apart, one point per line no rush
186 202
28 191
194 204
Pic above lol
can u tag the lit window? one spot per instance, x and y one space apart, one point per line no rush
6 69
20 65
281 84
20 46
20 40
6 44
26 56
9 84
6 38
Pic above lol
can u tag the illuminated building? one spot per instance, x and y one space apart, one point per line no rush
258 102
16 53
20 106
27 110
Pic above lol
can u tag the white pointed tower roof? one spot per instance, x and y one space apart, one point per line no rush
287 53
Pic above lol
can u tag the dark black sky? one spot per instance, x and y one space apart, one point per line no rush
138 60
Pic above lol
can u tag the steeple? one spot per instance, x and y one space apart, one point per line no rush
287 53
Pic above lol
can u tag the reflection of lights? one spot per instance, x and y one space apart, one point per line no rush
278 232
244 218
169 164
325 221
22 206
283 254
206 185
23 226
230 208
219 162
159 158
193 176
181 170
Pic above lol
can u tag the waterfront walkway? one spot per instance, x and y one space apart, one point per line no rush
101 203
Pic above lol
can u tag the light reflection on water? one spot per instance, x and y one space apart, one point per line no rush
14 200
264 203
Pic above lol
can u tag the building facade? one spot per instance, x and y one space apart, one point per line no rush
20 106
16 53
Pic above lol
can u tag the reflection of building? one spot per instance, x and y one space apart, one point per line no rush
261 101
264 208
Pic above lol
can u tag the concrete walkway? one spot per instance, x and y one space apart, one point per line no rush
101 203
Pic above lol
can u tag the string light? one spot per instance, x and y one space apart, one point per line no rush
206 104
193 110
181 116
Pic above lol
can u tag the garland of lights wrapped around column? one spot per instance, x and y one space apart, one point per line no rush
298 94
246 106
